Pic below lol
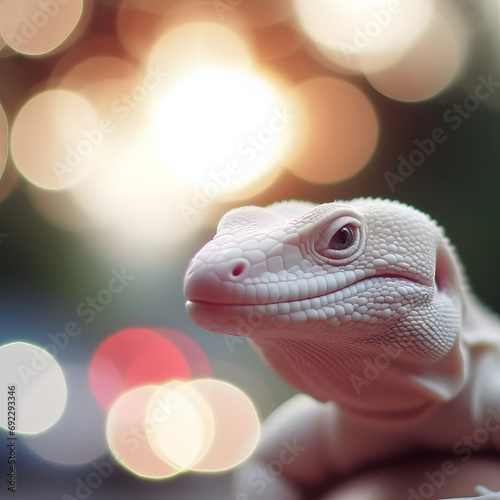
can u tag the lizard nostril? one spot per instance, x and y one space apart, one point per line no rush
238 269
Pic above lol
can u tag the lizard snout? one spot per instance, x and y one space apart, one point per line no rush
216 282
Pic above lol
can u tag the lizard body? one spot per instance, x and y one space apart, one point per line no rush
362 305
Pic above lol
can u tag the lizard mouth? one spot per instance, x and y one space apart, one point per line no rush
257 319
349 290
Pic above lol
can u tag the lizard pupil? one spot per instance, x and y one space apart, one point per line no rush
342 239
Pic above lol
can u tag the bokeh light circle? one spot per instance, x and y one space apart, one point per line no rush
220 128
430 65
247 379
40 387
34 27
182 424
136 200
335 132
81 425
126 432
197 44
131 358
56 138
237 425
203 425
364 36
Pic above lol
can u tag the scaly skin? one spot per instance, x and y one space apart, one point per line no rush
363 306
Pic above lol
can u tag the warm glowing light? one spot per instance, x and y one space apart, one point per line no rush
364 35
33 27
131 358
183 424
430 66
198 44
81 424
335 132
203 425
221 126
4 140
236 425
39 387
217 124
137 199
126 433
56 138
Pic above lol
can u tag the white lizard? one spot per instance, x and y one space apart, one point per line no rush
362 305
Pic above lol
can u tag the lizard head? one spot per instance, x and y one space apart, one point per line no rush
323 291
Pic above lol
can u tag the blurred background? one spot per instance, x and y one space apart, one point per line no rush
128 128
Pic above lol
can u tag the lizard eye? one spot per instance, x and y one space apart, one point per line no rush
342 239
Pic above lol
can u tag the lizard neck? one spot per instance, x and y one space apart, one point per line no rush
374 382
